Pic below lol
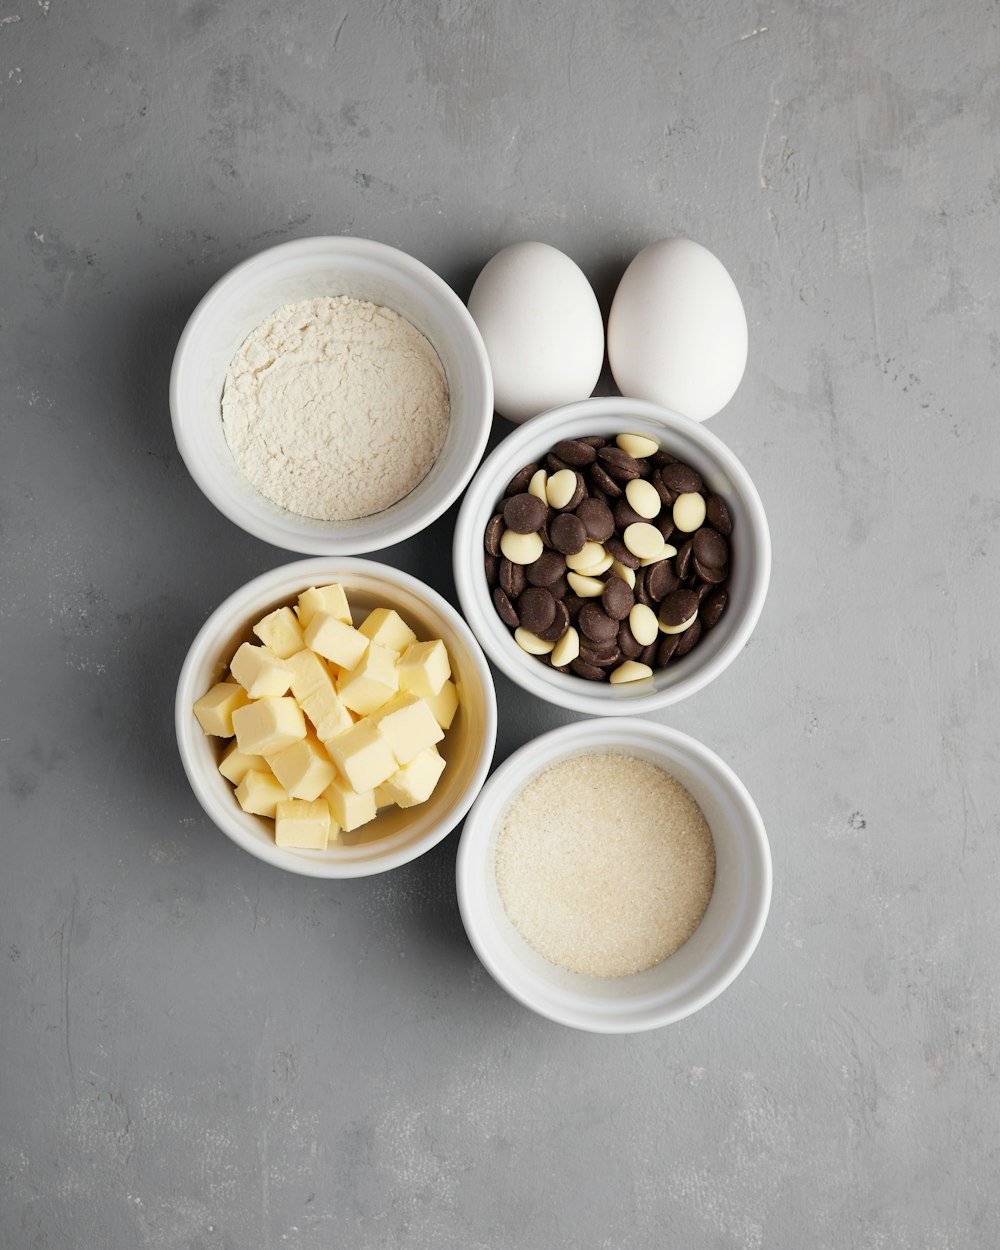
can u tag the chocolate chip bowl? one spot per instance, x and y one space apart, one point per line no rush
612 556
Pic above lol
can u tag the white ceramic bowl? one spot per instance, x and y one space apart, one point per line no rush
700 969
308 269
722 472
396 836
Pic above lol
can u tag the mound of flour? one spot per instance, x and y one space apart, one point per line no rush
335 408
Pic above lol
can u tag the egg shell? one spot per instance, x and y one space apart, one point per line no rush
542 327
677 332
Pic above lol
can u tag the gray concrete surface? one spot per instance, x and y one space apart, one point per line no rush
199 1052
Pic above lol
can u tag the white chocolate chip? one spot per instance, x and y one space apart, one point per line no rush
689 511
643 624
677 629
567 648
589 554
631 670
595 570
643 498
644 540
585 587
560 488
531 643
537 485
521 548
637 445
624 572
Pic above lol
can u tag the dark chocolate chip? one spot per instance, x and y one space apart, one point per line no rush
682 561
689 639
519 482
641 588
627 644
597 518
604 657
524 513
661 457
573 604
618 464
667 496
548 568
513 578
680 478
590 672
568 533
665 649
559 589
554 464
710 548
678 607
709 574
575 452
596 624
560 624
593 440
600 479
626 515
617 599
536 608
505 609
661 580
665 524
492 569
494 532
578 496
717 514
617 549
703 590
645 467
647 655
712 608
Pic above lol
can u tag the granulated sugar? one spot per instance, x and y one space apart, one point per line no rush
335 408
605 864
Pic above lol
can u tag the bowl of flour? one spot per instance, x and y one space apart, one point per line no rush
331 395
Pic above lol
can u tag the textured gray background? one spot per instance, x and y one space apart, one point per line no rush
197 1051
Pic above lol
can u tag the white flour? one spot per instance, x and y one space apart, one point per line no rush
335 408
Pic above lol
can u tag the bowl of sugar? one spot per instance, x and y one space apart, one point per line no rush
614 875
331 395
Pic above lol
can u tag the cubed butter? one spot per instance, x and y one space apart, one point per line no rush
234 765
260 672
371 682
386 627
349 808
424 668
303 826
409 725
280 630
260 792
444 704
267 726
363 756
382 798
304 768
415 782
316 694
215 709
328 599
335 640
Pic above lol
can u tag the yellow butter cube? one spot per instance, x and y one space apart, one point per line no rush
349 808
234 765
304 768
280 630
316 694
259 671
371 682
409 725
386 627
363 756
424 668
329 599
444 704
334 640
415 782
260 792
303 826
215 709
382 799
266 726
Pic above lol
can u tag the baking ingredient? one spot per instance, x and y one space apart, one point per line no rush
378 701
677 331
542 327
605 864
335 408
600 563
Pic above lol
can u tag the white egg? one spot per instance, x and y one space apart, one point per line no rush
677 333
542 327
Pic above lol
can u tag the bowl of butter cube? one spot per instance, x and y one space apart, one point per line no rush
335 717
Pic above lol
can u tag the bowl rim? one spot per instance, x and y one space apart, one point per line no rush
327 543
240 603
501 788
589 697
